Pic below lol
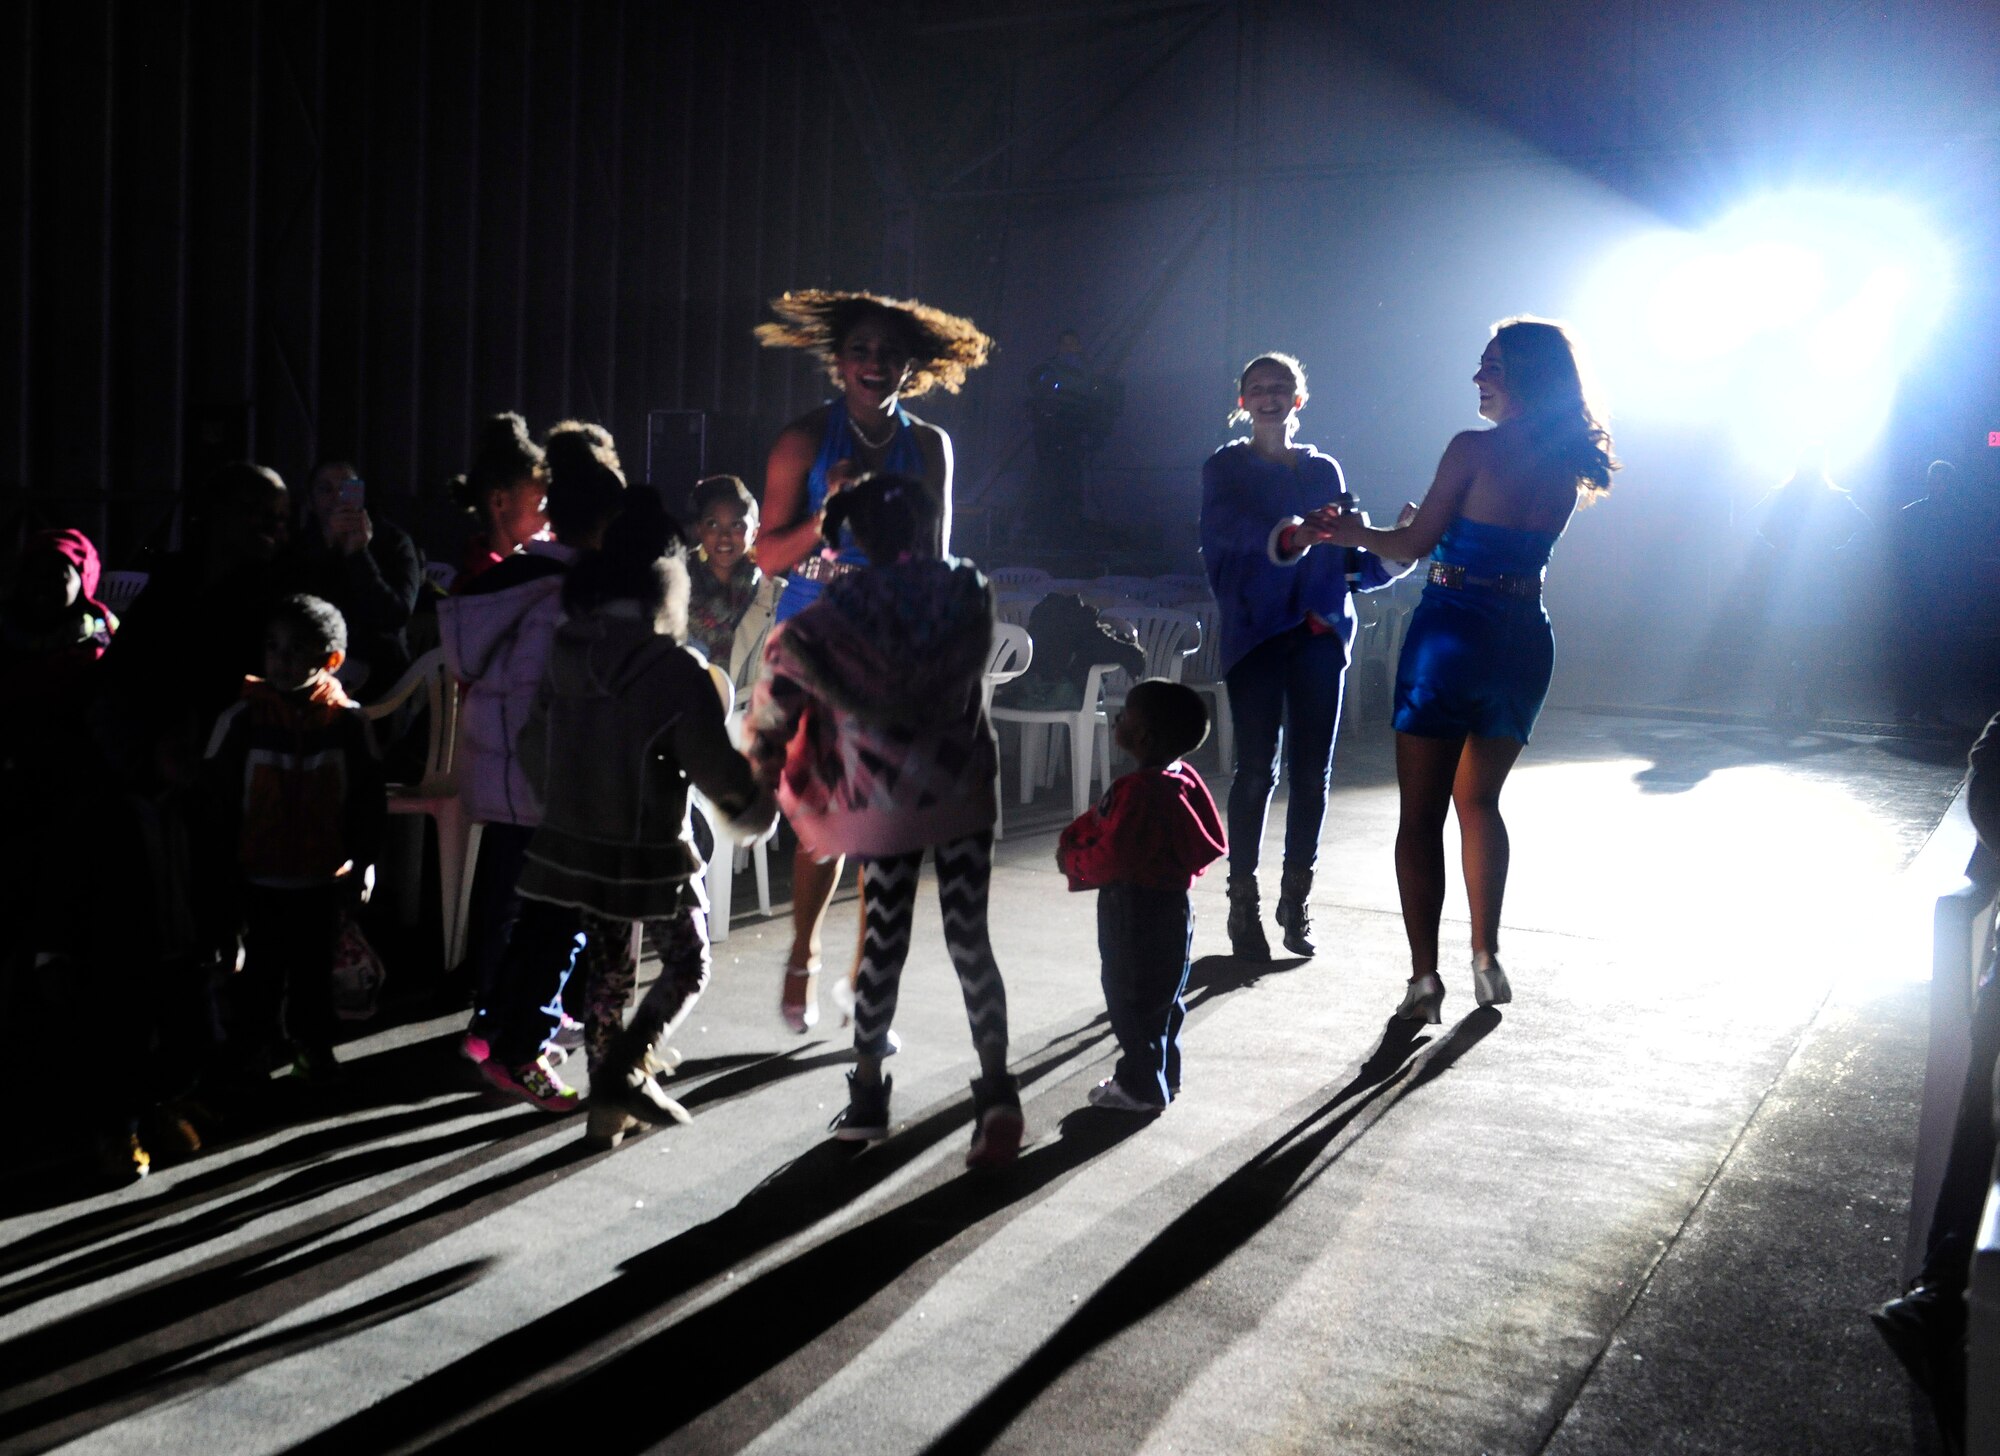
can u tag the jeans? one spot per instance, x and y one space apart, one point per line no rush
289 938
1144 938
1285 690
493 908
540 955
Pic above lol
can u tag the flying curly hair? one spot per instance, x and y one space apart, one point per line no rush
944 348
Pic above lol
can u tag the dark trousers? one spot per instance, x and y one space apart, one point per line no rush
289 937
1144 938
1285 691
494 907
526 1006
1969 1166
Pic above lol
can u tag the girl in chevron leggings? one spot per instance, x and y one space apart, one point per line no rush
871 724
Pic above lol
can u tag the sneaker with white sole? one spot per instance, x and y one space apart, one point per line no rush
866 1116
1113 1097
535 1083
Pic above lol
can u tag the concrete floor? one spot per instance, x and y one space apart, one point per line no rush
1644 1208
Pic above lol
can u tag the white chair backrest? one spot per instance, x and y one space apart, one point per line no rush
1002 576
1016 607
118 589
1166 637
1202 664
1128 586
440 574
431 676
1111 603
1168 591
724 688
1013 649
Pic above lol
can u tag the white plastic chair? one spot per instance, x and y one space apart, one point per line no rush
1015 607
1200 674
1384 621
1016 576
119 589
718 880
1168 638
440 574
436 795
1013 649
1081 724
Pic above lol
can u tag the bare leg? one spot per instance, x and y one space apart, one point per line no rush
1475 794
1425 768
812 891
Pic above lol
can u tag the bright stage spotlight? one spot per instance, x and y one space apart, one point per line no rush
1786 323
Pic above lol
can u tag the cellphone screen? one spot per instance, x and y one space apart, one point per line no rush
353 493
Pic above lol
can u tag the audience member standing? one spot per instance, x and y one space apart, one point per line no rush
297 801
364 564
197 630
1936 540
506 492
496 637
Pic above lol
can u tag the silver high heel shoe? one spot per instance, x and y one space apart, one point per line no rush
1421 1002
1489 982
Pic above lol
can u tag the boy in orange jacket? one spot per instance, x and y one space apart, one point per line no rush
1141 848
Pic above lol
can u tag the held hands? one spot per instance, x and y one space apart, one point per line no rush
1338 524
840 475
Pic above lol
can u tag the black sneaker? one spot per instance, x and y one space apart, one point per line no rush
866 1116
997 1124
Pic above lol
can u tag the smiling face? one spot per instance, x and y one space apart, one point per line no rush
725 534
1496 403
873 361
1270 395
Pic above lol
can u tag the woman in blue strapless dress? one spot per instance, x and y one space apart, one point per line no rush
880 352
1476 663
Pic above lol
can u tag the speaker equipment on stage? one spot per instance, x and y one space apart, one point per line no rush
676 454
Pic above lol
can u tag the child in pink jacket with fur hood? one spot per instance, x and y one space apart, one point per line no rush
870 721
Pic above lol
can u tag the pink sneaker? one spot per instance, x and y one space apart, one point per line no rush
535 1083
474 1048
568 1034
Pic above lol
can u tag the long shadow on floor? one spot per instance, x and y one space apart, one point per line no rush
773 1317
145 1206
1221 1222
120 1351
570 1342
81 1409
225 1219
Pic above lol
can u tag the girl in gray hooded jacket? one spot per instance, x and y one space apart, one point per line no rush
625 722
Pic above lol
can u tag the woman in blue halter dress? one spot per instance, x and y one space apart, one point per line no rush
1476 663
880 352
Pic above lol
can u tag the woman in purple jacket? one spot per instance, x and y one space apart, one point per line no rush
1285 624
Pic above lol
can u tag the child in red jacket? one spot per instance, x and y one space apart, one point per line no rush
1141 848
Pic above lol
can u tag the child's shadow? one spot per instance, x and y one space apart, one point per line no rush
1217 975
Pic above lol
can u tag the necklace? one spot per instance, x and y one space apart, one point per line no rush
862 435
